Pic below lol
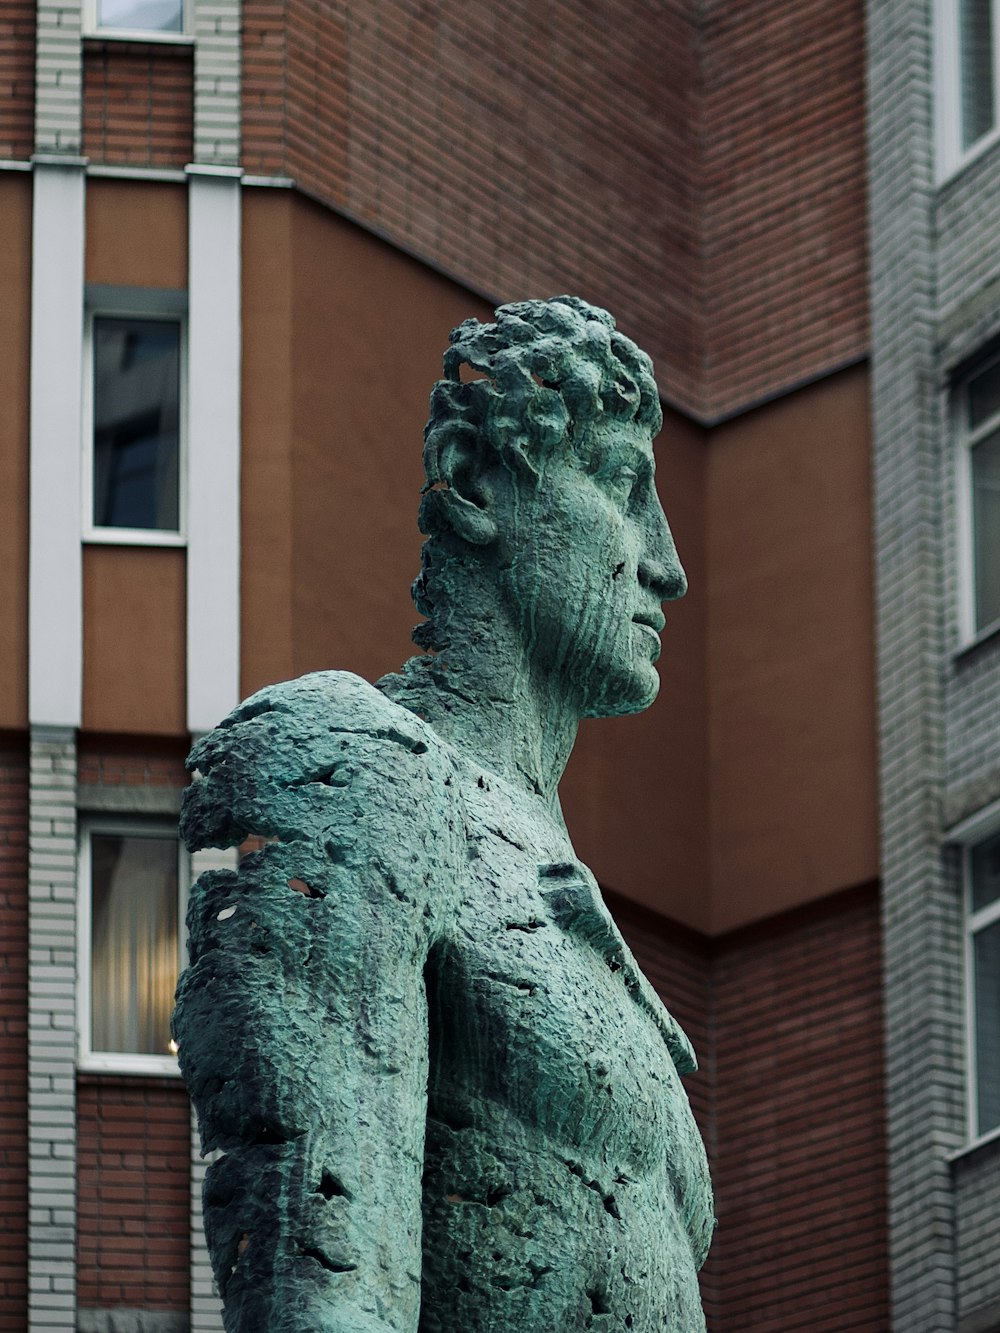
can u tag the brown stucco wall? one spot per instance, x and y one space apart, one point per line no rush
134 672
749 787
15 353
136 233
635 793
337 372
133 639
790 653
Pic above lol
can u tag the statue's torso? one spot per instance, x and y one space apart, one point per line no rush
564 1171
531 1101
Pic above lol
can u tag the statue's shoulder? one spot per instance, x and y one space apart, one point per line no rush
324 748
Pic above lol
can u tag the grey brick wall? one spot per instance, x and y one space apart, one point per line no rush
206 1307
52 1031
58 78
934 264
217 78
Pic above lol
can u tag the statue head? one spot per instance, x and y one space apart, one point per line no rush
539 476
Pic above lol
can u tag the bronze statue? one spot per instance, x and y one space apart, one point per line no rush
447 1099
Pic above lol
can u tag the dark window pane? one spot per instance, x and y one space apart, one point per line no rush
976 37
986 872
136 423
986 956
986 528
984 395
133 943
144 15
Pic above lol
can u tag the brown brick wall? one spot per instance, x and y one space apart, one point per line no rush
133 1193
698 169
17 78
783 125
13 1034
137 103
787 1021
799 1128
106 761
527 149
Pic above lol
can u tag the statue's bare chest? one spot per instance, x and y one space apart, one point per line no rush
534 1012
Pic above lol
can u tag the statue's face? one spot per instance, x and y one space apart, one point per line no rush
591 562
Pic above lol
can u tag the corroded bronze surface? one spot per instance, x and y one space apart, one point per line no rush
446 1098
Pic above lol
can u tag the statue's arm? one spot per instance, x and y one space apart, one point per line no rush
302 1019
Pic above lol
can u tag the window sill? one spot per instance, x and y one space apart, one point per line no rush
133 537
98 36
985 635
140 1066
968 158
976 1146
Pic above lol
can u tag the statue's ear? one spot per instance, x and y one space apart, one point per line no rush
466 495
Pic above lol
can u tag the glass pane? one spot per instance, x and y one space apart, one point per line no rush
133 942
984 395
986 872
976 37
986 528
986 956
136 423
144 15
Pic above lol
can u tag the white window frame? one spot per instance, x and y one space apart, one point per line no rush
965 532
949 154
119 1062
144 304
972 831
91 27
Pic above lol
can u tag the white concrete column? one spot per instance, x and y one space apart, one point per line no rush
55 618
213 481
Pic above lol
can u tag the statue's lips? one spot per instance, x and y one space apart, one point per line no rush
651 620
650 634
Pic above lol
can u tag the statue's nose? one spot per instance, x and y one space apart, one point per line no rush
660 569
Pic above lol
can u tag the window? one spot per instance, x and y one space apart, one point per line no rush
982 878
135 426
968 61
132 892
138 18
978 427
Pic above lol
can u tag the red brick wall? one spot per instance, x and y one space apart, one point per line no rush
526 149
107 761
133 1153
137 103
799 1161
17 78
783 121
786 1017
13 1034
698 169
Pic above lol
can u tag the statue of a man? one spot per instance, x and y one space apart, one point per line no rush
445 1097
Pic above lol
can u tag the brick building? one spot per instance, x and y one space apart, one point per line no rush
236 236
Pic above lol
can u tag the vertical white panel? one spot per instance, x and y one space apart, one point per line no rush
213 482
55 620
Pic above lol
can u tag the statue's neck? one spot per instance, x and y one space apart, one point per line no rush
485 700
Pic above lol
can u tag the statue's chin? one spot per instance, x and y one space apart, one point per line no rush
633 695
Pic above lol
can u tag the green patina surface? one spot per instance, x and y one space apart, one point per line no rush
445 1097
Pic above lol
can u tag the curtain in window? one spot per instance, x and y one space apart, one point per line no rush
133 942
